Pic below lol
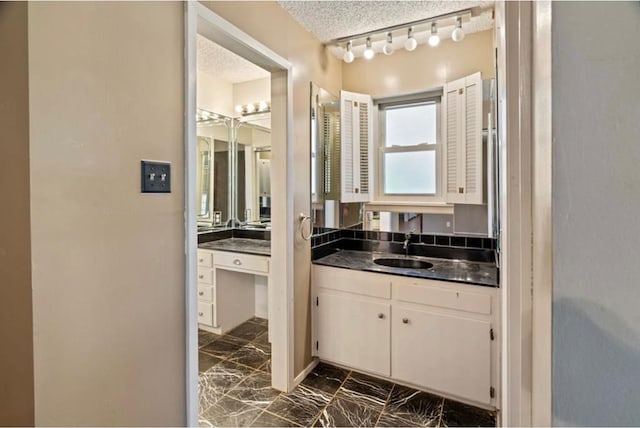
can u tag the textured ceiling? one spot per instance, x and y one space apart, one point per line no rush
329 20
214 59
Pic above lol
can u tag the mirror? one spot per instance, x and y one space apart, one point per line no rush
326 209
233 176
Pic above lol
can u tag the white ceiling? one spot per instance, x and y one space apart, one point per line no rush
329 20
214 59
334 19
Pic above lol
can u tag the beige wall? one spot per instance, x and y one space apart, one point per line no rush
106 90
16 330
423 69
214 94
271 25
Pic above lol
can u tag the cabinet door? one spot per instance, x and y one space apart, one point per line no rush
353 331
443 352
356 147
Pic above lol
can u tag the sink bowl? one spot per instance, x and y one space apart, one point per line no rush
403 263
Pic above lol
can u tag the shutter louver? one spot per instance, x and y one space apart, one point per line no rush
346 148
471 147
364 148
452 138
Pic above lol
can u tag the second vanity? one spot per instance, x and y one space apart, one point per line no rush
430 328
233 282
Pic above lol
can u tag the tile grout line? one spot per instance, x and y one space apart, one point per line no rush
384 406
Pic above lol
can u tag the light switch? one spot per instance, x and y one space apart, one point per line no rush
156 177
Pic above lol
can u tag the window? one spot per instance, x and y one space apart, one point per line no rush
410 149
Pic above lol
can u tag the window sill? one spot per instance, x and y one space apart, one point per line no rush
413 207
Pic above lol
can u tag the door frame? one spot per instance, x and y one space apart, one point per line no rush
523 38
201 20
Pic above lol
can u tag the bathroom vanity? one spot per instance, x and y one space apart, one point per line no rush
432 328
233 282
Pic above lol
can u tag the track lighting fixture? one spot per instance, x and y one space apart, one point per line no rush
426 30
458 33
388 47
434 38
411 42
368 52
348 55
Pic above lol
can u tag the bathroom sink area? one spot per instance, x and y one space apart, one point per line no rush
403 263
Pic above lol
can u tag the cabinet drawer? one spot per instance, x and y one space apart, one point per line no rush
205 275
242 262
428 292
352 281
205 314
204 258
205 293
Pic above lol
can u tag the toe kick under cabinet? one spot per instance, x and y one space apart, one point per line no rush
435 335
227 288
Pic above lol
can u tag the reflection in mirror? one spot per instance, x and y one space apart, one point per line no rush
326 208
467 220
212 180
254 205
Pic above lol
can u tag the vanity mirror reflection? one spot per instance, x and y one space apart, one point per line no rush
327 208
233 175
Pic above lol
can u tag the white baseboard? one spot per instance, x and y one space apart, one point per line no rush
312 365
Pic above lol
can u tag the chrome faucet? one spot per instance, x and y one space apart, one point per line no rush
407 242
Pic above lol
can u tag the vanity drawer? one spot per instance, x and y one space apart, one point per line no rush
426 292
205 314
242 262
204 258
205 293
205 275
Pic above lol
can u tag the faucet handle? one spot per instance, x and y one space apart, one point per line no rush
408 234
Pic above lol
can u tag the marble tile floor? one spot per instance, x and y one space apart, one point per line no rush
235 391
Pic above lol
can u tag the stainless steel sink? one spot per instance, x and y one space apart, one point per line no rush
403 263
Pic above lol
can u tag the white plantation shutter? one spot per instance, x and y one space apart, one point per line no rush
473 139
463 128
355 150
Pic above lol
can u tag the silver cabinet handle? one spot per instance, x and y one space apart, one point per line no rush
405 320
381 316
201 276
237 262
201 260
201 293
200 313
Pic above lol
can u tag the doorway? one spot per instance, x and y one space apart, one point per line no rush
202 21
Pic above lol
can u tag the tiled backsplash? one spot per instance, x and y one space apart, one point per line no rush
324 236
215 235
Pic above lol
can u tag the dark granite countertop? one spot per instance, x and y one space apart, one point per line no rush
470 272
258 247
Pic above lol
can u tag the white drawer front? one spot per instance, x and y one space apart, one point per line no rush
239 261
426 292
205 275
205 314
204 258
352 281
205 294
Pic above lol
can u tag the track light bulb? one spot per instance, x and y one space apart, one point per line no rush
411 43
348 55
388 47
368 52
434 38
458 33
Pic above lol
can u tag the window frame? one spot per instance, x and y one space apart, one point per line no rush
437 198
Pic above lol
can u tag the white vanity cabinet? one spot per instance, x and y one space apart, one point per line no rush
435 335
227 288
